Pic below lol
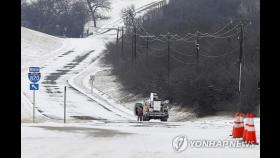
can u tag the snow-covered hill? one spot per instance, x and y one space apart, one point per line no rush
36 47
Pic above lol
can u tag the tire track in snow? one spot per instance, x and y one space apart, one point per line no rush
53 81
50 80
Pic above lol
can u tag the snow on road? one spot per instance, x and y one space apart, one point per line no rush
130 139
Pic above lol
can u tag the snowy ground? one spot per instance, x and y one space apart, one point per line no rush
129 139
99 124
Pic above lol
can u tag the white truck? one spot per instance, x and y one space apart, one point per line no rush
154 108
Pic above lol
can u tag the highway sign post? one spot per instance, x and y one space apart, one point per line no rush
64 104
34 76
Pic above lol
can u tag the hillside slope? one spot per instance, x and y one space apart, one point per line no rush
36 47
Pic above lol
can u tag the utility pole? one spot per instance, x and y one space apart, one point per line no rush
118 35
132 50
122 44
135 44
147 47
197 49
64 104
168 57
240 55
241 36
147 50
197 68
117 43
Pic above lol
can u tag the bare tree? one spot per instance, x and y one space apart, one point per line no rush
63 5
128 15
97 5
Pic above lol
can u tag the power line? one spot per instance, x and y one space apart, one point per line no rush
157 39
175 37
182 40
179 52
229 23
217 56
220 35
232 29
206 34
140 31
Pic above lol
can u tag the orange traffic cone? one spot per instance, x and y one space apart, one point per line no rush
238 127
251 132
245 127
240 130
233 128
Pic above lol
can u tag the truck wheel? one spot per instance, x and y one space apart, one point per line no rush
163 119
146 118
